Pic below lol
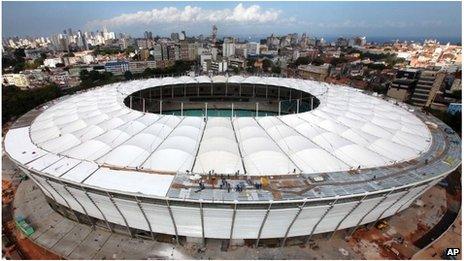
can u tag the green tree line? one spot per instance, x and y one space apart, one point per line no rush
16 102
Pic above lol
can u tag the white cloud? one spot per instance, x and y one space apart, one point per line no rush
191 14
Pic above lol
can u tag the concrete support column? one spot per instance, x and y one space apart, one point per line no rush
389 207
367 213
61 196
232 223
262 223
173 221
431 184
145 216
331 205
300 208
347 215
82 206
99 210
120 213
202 223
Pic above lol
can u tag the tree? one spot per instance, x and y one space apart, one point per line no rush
276 69
318 61
17 102
267 64
302 61
376 66
457 94
335 61
251 69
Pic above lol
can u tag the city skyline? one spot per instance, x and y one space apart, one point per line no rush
393 20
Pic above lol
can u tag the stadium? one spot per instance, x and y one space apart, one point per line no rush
230 157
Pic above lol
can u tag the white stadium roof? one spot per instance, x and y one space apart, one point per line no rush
349 129
93 136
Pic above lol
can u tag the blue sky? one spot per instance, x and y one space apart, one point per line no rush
390 19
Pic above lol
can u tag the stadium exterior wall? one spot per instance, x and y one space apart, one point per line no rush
257 220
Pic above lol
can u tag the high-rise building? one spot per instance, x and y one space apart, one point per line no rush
164 51
428 84
173 52
148 35
184 50
228 49
214 35
157 52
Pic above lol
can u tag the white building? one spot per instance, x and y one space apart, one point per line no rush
51 62
219 66
228 49
17 79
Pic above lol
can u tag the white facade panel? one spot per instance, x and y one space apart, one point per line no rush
248 222
159 218
307 219
277 222
333 218
404 199
109 210
188 220
91 209
361 210
131 211
217 222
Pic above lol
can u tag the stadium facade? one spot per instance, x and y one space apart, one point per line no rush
341 158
